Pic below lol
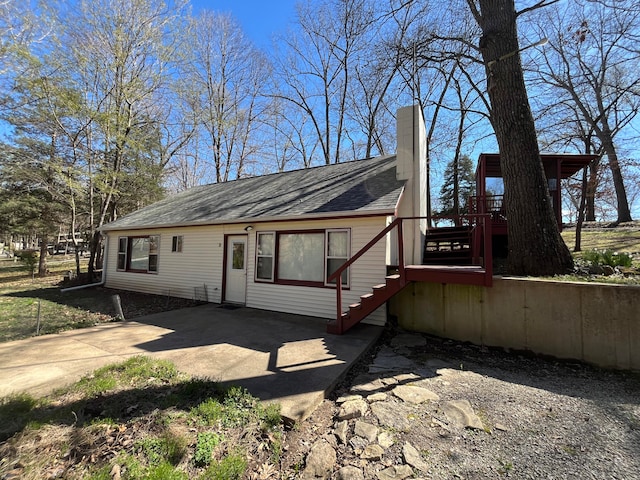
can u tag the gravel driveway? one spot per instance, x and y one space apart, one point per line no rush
534 418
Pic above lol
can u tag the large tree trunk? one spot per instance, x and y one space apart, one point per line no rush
535 245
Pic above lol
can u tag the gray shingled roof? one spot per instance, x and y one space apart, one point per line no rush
358 187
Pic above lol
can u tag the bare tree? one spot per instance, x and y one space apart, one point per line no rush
116 53
289 136
226 74
318 65
589 62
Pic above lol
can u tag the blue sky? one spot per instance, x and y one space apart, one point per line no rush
260 19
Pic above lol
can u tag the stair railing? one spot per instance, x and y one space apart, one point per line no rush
474 219
337 275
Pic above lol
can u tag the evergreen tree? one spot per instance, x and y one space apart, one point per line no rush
458 186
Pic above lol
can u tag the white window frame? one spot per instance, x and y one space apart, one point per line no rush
347 283
271 279
127 254
176 243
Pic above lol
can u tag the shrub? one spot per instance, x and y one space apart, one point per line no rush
29 258
608 257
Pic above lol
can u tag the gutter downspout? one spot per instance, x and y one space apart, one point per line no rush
104 272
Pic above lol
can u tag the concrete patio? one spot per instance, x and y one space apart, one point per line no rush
278 357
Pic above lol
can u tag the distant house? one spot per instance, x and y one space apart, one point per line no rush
271 242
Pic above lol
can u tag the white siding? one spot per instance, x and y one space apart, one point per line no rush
179 273
201 263
367 271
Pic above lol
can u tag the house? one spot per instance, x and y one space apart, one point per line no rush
280 242
272 242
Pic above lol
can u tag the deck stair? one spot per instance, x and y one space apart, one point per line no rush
448 246
452 255
368 303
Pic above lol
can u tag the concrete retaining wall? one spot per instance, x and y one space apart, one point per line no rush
595 323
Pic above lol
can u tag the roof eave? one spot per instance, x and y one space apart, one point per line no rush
254 220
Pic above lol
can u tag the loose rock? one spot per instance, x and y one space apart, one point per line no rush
501 427
348 398
320 461
372 452
341 430
386 440
349 473
397 472
366 430
413 457
353 409
389 361
377 397
415 395
393 415
367 385
462 415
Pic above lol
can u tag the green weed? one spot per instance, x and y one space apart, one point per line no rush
205 446
271 416
209 412
135 372
235 407
276 446
505 467
165 471
608 257
167 448
231 467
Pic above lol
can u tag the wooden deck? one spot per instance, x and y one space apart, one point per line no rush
461 274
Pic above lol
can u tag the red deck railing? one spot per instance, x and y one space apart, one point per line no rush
492 205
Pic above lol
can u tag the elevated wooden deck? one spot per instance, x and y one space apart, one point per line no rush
460 274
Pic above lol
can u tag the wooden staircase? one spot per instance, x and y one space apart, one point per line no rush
448 246
368 303
451 256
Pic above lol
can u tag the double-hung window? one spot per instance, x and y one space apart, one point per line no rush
302 258
266 243
337 246
138 254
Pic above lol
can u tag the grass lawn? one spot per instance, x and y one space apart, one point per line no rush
21 297
619 240
140 419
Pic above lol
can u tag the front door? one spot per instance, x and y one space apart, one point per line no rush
236 269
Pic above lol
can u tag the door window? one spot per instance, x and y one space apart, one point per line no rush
238 256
